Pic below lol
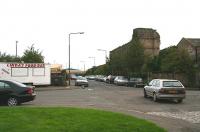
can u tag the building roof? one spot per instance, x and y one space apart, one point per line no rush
56 68
146 33
59 66
194 41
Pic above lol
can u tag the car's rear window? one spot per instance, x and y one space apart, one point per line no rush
19 84
172 84
81 78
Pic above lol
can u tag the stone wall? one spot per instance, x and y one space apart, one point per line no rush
150 40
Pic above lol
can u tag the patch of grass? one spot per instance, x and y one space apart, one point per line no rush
64 119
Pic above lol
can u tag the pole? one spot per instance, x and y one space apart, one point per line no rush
105 53
94 61
69 54
69 62
84 67
16 48
106 56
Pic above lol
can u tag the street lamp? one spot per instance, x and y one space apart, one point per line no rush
105 53
83 65
91 57
69 53
16 48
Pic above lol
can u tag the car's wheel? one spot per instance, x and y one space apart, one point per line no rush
179 100
154 97
145 94
12 101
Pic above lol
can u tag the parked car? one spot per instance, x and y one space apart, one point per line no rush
91 77
135 82
81 81
165 89
110 79
100 78
121 80
14 93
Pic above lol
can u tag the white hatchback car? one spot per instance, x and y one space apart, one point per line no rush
165 89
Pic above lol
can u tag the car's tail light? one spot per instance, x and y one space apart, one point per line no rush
29 91
182 91
161 91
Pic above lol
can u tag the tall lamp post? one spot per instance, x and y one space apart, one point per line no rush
91 57
69 53
83 65
105 53
16 48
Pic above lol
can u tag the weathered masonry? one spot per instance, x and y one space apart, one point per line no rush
192 46
148 38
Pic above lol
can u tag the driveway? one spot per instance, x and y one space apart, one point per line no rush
183 117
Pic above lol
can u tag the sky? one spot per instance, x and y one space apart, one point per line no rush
106 24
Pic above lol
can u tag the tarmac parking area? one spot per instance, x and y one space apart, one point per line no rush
183 117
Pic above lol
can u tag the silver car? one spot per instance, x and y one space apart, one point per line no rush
165 89
121 80
81 81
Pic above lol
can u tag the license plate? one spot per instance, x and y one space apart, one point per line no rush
172 92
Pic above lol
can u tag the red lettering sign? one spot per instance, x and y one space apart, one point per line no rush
26 65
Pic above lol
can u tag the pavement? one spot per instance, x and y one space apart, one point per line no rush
49 88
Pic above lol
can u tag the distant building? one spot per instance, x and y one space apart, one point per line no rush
56 68
192 46
150 40
75 71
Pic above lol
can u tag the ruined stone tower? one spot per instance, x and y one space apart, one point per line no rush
150 40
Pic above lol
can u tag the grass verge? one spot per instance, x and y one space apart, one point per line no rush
64 119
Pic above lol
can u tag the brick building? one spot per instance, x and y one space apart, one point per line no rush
192 46
148 38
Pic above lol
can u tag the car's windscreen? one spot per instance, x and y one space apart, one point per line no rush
123 78
136 79
172 84
81 78
19 84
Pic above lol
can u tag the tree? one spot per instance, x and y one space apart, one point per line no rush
135 56
31 55
8 58
173 59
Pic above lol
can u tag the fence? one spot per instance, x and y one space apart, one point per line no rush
189 82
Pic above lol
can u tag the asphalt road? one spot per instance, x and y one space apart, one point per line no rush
183 117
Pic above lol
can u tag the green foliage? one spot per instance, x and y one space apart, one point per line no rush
99 70
152 64
135 56
31 55
175 60
171 60
8 58
53 119
127 59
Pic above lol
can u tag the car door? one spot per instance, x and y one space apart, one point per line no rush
153 87
5 90
156 86
149 87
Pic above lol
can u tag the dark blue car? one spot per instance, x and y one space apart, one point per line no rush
13 93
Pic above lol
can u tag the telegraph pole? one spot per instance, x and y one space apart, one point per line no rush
16 48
